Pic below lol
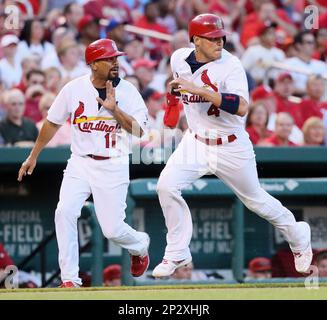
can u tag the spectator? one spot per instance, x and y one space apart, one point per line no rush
115 31
134 80
25 279
145 71
149 21
226 8
10 67
5 259
33 40
108 9
257 58
266 12
166 16
321 38
305 46
264 95
286 102
284 124
73 13
312 105
71 66
233 37
186 10
134 50
53 80
154 102
179 40
63 135
112 276
59 4
60 35
313 132
256 123
259 268
28 63
321 263
35 89
15 129
89 31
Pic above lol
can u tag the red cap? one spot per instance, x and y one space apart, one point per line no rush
5 260
261 92
283 76
150 93
260 264
112 272
84 22
263 26
143 62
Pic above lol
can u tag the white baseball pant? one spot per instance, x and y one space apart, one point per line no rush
233 163
107 181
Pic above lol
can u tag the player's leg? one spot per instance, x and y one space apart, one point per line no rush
73 193
185 165
109 189
240 174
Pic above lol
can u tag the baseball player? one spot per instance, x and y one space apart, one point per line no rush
214 91
104 111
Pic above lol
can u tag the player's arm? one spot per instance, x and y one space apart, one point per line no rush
47 132
231 103
125 120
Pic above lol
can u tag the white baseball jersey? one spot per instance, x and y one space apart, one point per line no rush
224 75
95 131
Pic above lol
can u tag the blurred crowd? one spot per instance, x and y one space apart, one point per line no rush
285 61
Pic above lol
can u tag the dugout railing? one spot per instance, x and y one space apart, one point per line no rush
297 189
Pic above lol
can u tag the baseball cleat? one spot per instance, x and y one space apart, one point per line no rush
303 259
69 284
140 264
167 267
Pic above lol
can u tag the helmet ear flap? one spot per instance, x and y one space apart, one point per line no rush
224 39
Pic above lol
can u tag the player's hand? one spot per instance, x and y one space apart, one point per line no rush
26 168
182 85
110 102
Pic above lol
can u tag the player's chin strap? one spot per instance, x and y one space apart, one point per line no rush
230 102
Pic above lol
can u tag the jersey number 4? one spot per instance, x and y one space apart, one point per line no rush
213 111
110 137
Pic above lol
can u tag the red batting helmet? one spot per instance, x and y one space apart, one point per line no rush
101 49
206 25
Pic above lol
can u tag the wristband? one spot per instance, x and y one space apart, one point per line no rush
230 102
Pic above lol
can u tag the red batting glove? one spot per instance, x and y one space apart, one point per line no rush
171 116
